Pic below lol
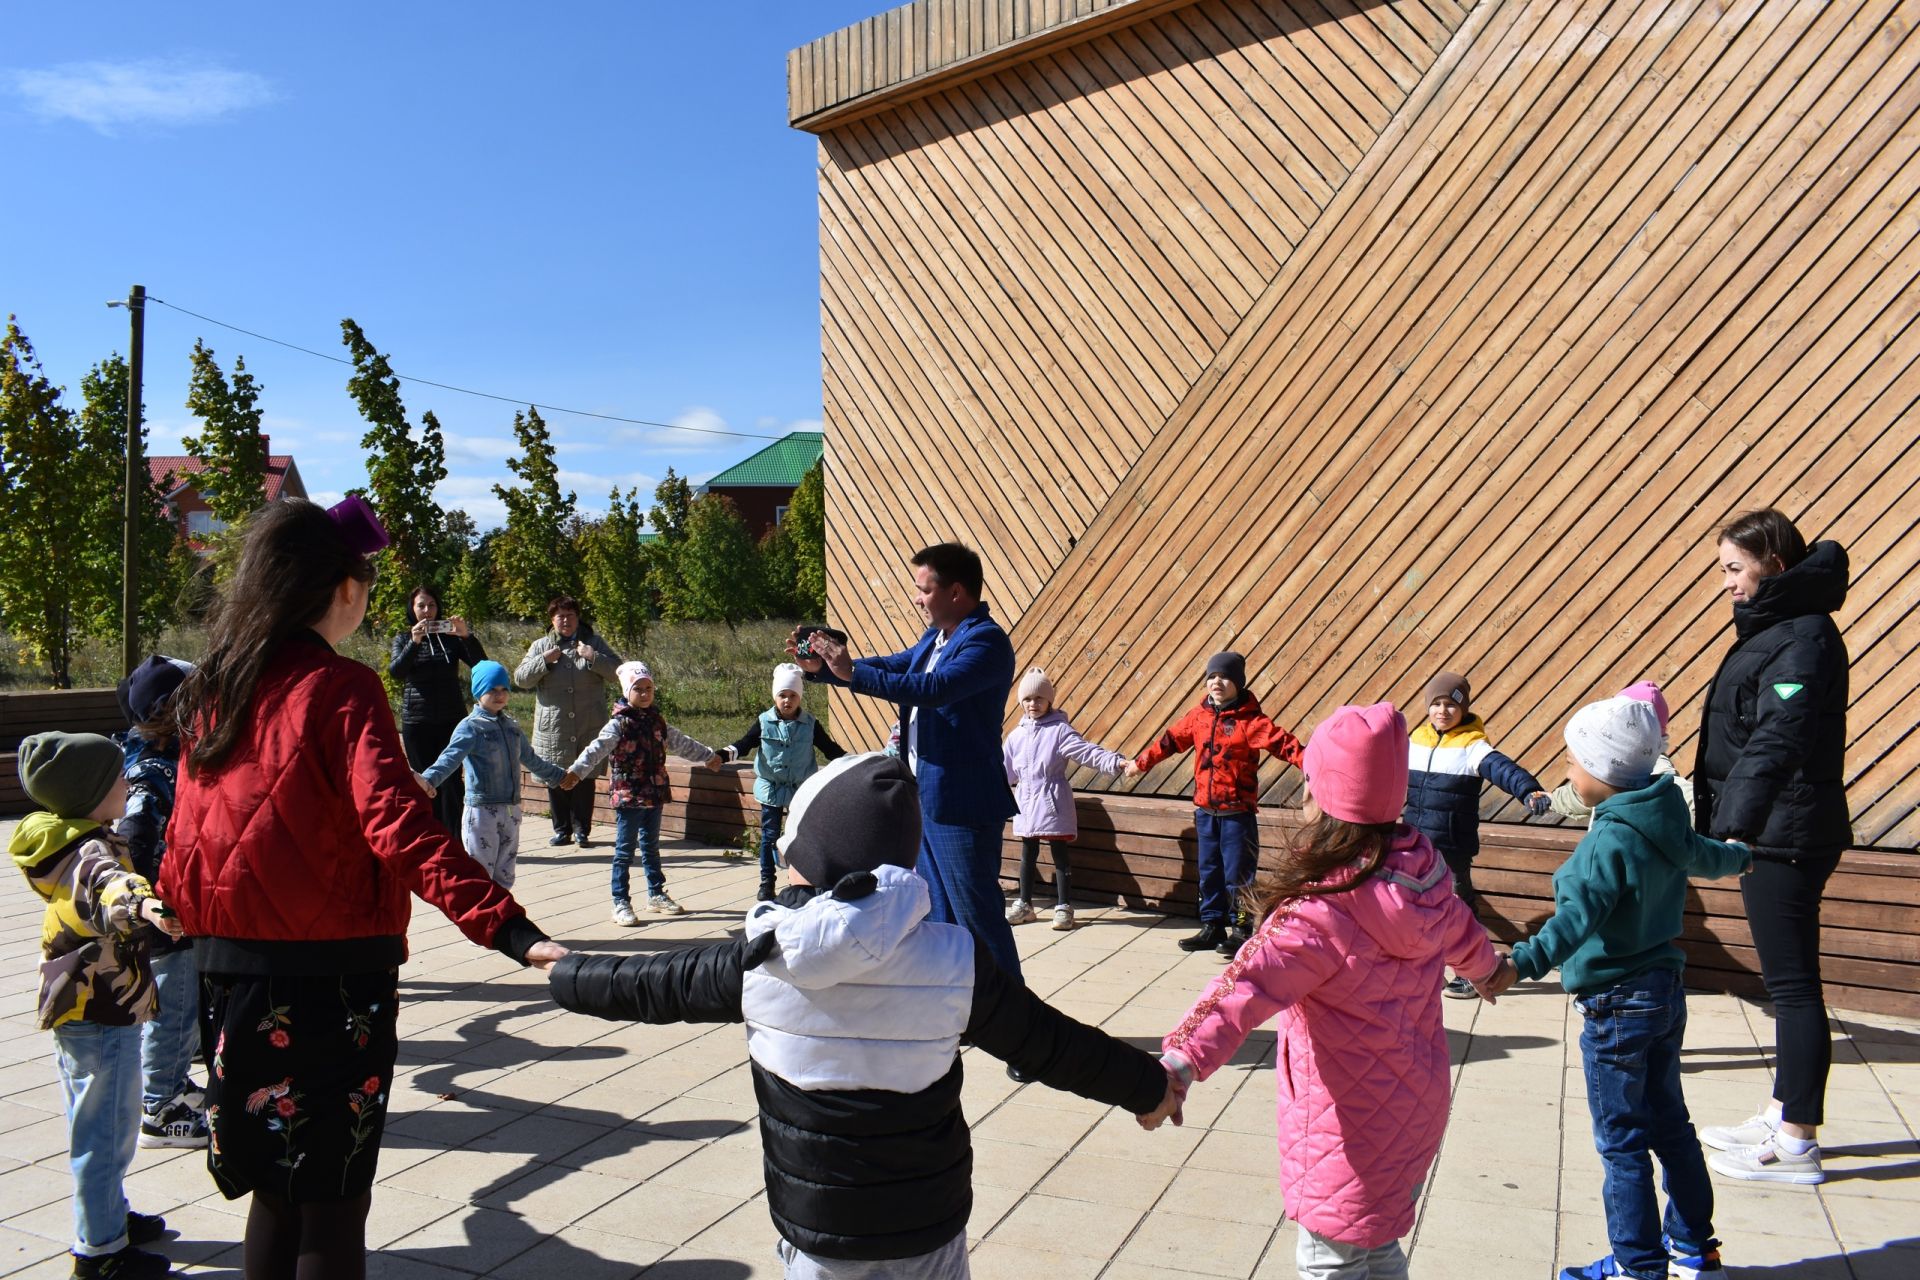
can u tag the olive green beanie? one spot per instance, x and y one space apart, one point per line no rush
69 774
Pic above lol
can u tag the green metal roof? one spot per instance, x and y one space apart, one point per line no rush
781 464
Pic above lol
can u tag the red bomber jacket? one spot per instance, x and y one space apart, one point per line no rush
1226 743
300 851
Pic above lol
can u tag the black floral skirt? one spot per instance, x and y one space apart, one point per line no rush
297 1089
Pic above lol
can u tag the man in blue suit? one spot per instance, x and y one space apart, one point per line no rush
951 689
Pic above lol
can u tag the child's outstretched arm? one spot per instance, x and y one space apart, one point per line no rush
698 984
746 744
1177 737
545 770
1467 952
830 749
691 749
1264 735
1090 754
1287 958
1503 773
458 747
599 749
1715 859
1584 892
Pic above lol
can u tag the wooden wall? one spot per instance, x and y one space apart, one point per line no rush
1375 338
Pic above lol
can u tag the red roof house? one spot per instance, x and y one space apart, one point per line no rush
174 474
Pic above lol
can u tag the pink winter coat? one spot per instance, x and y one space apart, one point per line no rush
1036 755
1361 1061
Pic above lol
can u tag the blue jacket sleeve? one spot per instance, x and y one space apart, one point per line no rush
973 665
458 747
1508 776
545 770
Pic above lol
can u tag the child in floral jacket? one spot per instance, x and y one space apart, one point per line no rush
637 739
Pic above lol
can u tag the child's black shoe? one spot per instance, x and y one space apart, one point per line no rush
145 1228
128 1264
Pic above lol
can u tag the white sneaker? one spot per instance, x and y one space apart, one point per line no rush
1021 912
623 915
661 904
1769 1162
1063 917
1748 1133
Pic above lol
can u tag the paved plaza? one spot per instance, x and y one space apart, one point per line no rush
529 1143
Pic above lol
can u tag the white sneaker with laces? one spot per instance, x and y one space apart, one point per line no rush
1750 1132
174 1125
1062 918
1769 1162
663 905
623 915
1021 912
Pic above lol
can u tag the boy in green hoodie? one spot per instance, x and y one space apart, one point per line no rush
1616 911
96 985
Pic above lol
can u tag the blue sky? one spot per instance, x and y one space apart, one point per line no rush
592 205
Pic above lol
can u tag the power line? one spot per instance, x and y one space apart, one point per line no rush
469 391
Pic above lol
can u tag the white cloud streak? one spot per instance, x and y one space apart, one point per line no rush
106 96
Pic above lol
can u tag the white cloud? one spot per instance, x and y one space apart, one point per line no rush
490 449
109 95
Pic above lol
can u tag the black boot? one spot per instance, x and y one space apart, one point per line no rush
1212 934
766 889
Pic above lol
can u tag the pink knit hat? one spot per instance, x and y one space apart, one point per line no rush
1356 763
1648 691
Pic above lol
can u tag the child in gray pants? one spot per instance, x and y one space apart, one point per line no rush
493 748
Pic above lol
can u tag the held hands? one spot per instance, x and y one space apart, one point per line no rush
569 781
161 917
426 786
1538 803
544 955
1132 771
1170 1108
713 762
1503 977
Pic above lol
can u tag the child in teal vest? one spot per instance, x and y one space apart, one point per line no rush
782 741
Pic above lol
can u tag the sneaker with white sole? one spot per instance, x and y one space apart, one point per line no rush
1748 1133
174 1125
1458 988
661 904
1691 1264
1021 912
1062 918
1769 1162
623 915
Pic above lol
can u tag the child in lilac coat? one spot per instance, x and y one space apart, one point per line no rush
1356 922
1036 755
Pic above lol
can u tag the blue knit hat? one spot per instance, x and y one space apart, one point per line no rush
488 676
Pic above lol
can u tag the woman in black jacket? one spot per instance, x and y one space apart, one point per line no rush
427 659
1770 773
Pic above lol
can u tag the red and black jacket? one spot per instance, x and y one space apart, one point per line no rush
1226 742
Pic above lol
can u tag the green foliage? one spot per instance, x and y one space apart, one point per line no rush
778 569
46 582
470 590
165 564
614 569
233 483
402 471
716 566
672 500
534 556
806 528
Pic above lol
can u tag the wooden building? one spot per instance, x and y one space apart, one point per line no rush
1371 338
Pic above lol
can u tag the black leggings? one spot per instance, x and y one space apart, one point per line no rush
1030 869
1783 911
323 1240
572 811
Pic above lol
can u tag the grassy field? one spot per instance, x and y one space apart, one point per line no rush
712 681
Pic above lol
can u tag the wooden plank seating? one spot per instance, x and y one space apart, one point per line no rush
23 714
1138 851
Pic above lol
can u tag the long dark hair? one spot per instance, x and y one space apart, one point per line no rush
1322 847
1766 535
413 597
292 560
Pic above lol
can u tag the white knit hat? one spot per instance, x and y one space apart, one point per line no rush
1616 741
627 672
788 678
1035 684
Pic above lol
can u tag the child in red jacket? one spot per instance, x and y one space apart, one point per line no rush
1227 733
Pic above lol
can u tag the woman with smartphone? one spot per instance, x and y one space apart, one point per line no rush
426 660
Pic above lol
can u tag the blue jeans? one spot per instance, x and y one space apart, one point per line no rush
1630 1047
1229 854
168 1043
961 866
771 818
642 826
100 1078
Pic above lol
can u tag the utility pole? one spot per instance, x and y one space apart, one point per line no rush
136 305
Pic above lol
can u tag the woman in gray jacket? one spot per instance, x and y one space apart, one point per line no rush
569 670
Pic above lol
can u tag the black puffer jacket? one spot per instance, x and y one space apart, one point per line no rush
435 693
867 1174
1771 765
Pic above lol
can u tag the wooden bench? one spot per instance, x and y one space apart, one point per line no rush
25 714
1140 852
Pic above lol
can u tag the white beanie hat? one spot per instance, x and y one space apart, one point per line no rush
788 678
1616 741
1035 684
627 672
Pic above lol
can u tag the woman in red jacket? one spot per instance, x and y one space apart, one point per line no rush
298 835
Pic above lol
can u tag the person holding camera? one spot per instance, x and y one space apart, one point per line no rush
426 660
569 670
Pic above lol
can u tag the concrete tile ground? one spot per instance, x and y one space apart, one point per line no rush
527 1143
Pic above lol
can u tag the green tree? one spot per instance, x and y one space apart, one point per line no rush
232 454
534 558
165 564
45 575
403 468
672 501
717 582
806 527
470 590
778 571
614 568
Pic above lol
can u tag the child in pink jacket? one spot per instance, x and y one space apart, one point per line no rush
1355 925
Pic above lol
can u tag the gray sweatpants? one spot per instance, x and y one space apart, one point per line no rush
948 1262
491 833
